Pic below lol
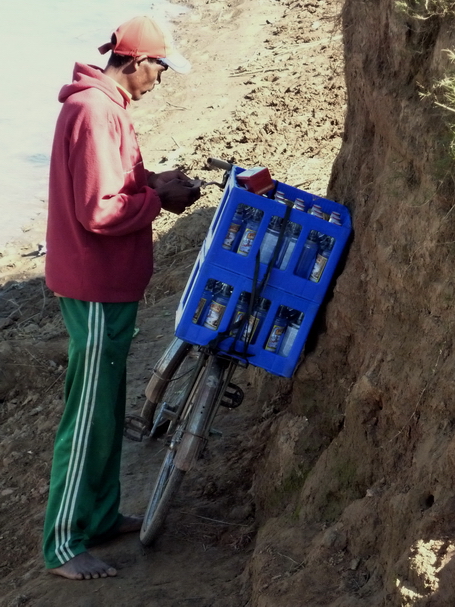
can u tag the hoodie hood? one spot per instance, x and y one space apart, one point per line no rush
88 77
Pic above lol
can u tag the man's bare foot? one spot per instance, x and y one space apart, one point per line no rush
130 524
84 566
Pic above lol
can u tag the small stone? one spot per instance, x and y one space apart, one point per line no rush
354 564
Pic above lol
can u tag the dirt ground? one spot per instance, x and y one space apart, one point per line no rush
266 89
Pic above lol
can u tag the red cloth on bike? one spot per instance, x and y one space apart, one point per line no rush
99 240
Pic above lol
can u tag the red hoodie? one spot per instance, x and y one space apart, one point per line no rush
99 237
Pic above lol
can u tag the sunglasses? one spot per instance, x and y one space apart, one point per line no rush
163 65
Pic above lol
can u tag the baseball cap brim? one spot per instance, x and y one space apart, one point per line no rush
177 62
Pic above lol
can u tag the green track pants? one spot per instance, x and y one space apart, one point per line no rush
84 492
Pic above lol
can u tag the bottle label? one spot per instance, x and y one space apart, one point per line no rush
318 268
274 338
214 316
199 309
230 236
247 241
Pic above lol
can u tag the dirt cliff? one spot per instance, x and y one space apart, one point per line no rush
333 489
370 480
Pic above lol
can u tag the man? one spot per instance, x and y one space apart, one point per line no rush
99 261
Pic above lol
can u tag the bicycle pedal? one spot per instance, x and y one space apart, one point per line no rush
233 397
135 428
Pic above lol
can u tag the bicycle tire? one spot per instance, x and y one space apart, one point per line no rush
160 500
170 476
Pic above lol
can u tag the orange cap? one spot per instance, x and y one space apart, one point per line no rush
143 36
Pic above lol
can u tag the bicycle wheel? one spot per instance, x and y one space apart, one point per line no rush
168 482
185 445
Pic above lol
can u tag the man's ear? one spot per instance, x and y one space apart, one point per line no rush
133 65
139 60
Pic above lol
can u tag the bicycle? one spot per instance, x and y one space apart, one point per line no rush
187 387
190 382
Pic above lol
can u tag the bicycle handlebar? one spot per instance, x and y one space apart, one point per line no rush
217 163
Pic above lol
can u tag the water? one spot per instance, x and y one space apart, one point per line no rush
40 43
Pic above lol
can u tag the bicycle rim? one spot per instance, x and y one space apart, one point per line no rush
166 486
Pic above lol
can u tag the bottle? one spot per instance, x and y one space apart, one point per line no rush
234 232
280 197
308 256
291 237
316 210
204 302
299 204
217 308
255 321
270 239
290 335
241 309
251 229
335 218
277 333
322 258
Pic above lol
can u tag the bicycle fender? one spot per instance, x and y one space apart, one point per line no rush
187 451
194 434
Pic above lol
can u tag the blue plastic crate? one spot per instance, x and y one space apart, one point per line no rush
286 279
256 354
283 286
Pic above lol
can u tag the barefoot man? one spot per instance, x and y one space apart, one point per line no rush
99 261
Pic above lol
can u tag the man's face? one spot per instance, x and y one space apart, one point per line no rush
144 78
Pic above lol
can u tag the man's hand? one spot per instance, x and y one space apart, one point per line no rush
156 180
177 195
